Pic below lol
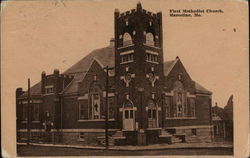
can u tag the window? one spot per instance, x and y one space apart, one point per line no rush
194 132
81 136
167 104
83 110
151 58
96 106
149 113
180 103
180 99
111 108
36 112
192 107
49 89
127 40
25 112
126 114
131 114
154 113
150 39
127 58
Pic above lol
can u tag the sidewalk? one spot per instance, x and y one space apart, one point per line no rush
147 147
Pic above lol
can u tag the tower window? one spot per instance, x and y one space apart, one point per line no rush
127 39
127 58
151 58
150 39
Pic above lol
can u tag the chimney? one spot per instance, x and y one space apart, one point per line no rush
112 42
56 72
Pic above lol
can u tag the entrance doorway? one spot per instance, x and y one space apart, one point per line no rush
152 121
128 116
128 119
152 115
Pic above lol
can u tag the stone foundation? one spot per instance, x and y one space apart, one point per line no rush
196 134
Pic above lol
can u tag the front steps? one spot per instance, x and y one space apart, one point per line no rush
102 141
115 139
169 138
121 138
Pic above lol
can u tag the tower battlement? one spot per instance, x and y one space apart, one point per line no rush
133 11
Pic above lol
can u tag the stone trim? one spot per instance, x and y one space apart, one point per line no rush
31 101
126 46
180 118
127 52
31 130
67 130
87 130
122 109
151 46
152 62
190 95
49 86
206 95
95 120
152 52
109 94
169 93
190 127
83 97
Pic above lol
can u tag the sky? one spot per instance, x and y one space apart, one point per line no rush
43 35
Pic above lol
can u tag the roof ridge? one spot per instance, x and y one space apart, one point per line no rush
171 66
79 61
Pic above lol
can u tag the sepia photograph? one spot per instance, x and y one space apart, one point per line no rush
124 78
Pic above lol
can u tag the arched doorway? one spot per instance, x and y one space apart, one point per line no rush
128 115
152 111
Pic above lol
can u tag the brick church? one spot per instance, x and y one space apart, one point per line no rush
149 100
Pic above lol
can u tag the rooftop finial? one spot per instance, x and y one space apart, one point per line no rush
138 7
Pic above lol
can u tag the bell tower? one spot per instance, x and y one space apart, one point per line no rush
138 66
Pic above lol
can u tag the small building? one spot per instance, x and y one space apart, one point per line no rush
222 120
149 100
218 120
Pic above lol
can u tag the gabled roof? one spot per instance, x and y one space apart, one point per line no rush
34 91
105 57
201 89
168 66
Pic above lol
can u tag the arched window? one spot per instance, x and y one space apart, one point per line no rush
150 39
180 100
167 106
95 110
128 104
152 108
128 109
127 39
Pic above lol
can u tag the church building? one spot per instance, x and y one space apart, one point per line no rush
149 100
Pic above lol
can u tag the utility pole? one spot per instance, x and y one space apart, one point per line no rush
141 90
28 113
106 107
162 107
